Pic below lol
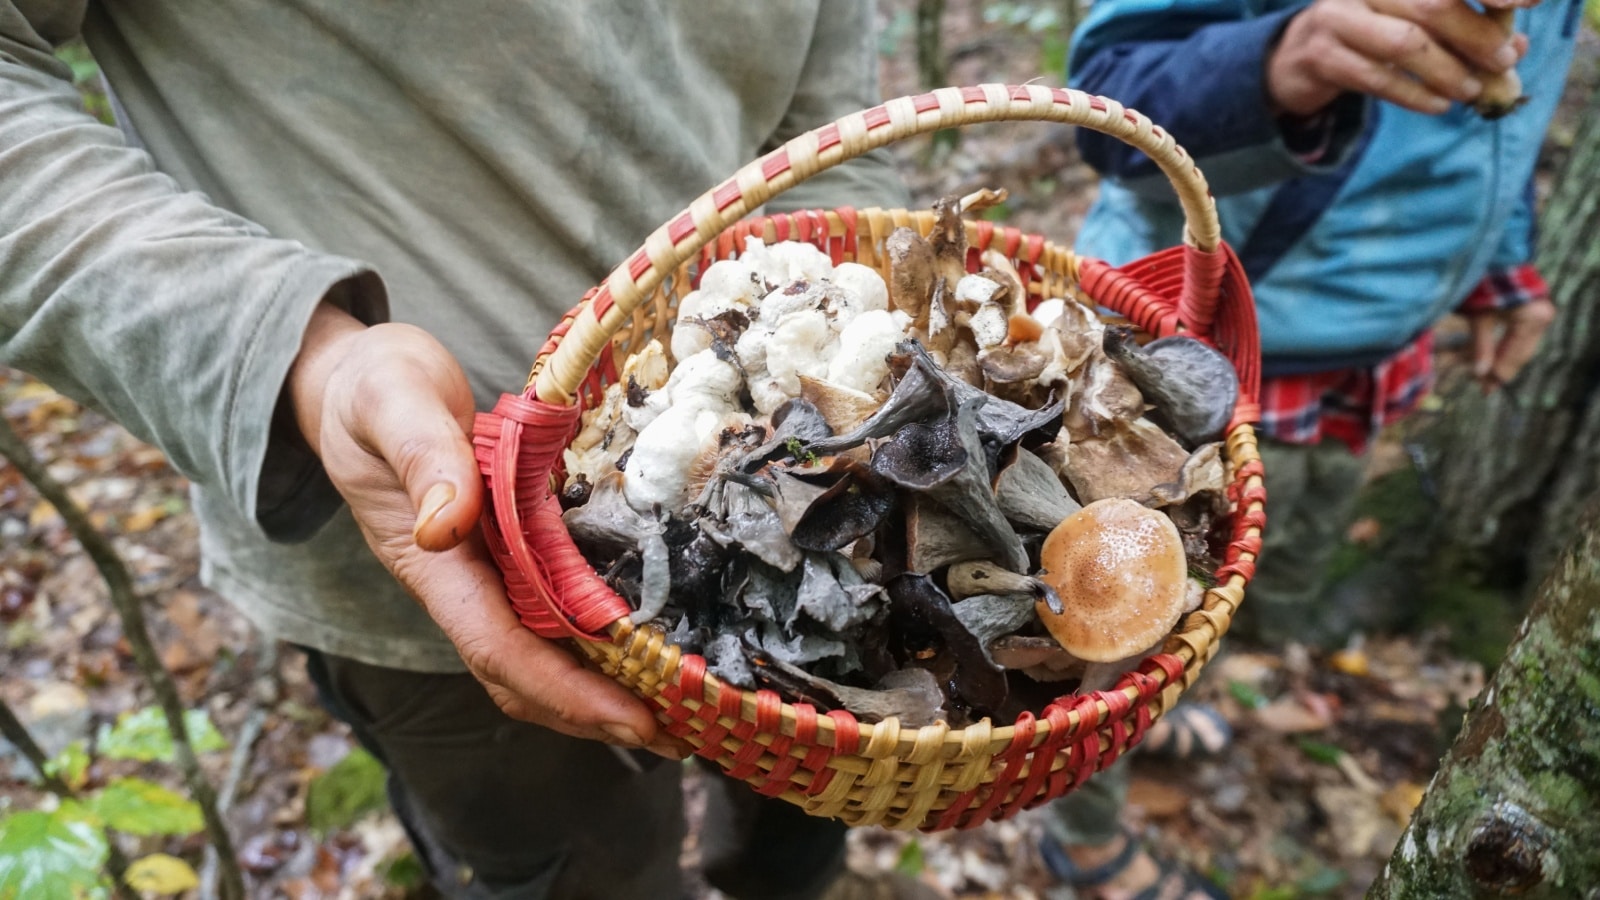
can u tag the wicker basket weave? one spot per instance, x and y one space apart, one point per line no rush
933 777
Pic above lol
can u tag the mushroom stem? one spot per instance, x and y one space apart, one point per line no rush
1502 92
971 579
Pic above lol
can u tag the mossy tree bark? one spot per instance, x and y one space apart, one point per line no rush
1514 469
1512 810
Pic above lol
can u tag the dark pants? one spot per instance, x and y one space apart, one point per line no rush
503 810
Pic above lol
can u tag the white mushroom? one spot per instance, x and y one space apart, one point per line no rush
786 262
861 360
802 344
863 285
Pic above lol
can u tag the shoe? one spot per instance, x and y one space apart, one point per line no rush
1174 880
881 886
1187 731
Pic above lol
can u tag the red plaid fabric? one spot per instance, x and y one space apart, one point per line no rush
1353 405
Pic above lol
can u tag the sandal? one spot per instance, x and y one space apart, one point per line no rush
1174 880
1188 731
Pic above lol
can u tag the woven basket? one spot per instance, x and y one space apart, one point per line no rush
934 777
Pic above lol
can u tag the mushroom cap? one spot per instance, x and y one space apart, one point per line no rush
1122 576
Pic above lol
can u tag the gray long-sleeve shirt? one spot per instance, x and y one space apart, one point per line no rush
469 167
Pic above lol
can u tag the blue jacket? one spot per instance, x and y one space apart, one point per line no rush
1352 257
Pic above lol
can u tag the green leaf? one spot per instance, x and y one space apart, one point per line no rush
50 855
911 861
1246 694
1327 754
351 789
404 871
143 736
71 765
142 807
161 874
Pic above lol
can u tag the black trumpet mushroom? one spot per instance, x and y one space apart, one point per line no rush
1192 384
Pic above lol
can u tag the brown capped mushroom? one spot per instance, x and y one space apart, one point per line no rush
1122 576
911 275
1126 460
844 409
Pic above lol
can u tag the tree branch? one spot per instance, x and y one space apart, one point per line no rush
130 610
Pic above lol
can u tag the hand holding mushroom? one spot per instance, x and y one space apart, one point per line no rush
1417 54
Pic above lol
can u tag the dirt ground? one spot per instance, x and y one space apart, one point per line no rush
1332 750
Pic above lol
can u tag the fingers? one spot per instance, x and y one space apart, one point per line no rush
1485 331
529 677
1420 54
1525 328
1394 48
1458 30
1356 71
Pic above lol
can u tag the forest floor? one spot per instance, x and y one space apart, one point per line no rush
1332 749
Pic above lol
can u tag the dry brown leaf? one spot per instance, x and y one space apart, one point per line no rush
1401 800
144 518
1287 715
42 514
1158 799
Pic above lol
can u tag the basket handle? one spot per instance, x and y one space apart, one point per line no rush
557 376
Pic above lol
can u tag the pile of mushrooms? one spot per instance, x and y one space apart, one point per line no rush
910 497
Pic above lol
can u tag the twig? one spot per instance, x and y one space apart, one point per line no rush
19 736
127 604
263 693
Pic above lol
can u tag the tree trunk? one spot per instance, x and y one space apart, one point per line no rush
1515 469
1512 810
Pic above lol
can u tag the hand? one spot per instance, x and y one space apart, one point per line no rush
1504 341
389 412
1419 54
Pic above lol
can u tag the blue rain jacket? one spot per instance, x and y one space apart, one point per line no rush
1354 256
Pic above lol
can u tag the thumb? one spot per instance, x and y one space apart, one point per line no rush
422 430
1485 342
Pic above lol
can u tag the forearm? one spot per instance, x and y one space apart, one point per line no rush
177 318
1207 90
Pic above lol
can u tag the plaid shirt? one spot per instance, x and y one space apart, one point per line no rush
1353 405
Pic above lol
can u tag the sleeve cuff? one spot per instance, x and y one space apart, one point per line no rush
294 496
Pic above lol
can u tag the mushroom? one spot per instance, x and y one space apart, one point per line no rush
726 285
1193 386
1128 460
860 359
1040 658
946 460
1502 92
936 537
910 696
843 408
1031 494
981 577
609 524
911 275
785 262
862 288
1122 576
